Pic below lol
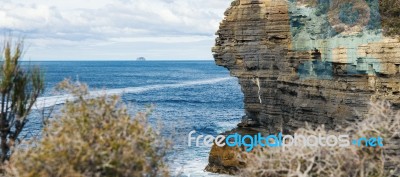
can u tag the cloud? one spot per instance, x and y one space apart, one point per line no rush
63 25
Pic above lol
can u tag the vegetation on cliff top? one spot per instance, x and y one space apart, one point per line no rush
390 14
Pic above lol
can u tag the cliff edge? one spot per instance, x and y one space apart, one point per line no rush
299 61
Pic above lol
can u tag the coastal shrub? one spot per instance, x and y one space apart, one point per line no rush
19 89
301 161
93 137
390 13
387 10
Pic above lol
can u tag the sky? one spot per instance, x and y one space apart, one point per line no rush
113 29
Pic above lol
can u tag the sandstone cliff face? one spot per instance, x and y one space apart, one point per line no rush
300 61
295 65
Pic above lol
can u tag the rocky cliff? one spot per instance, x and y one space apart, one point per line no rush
310 61
298 67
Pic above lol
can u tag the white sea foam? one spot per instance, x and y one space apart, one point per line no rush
44 102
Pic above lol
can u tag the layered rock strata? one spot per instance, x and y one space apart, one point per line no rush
290 75
304 62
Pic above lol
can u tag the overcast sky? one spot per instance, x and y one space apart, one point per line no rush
113 29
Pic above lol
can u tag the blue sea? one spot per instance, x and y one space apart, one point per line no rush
186 95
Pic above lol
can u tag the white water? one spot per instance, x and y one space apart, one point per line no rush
44 102
192 168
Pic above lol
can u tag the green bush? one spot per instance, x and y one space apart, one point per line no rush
19 89
93 137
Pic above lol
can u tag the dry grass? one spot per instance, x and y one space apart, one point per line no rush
93 137
334 161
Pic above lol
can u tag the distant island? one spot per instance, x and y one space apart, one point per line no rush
141 59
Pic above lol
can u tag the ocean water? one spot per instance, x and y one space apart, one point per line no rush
187 95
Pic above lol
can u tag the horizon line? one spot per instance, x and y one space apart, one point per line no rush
133 60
